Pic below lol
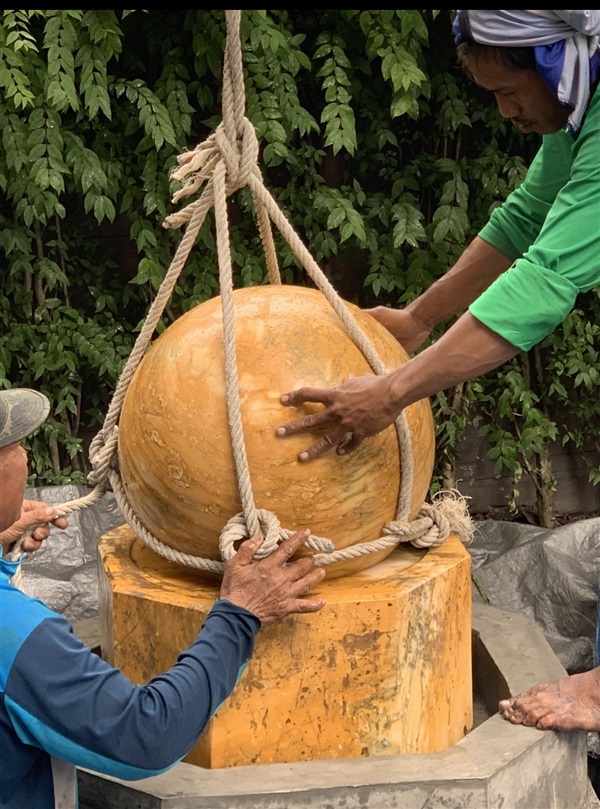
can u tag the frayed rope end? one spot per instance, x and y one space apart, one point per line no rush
454 506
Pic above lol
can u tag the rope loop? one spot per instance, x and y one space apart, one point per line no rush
236 530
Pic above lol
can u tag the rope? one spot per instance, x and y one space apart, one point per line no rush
228 161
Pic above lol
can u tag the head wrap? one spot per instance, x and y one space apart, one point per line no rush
565 45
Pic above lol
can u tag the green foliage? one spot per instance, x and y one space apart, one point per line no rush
381 153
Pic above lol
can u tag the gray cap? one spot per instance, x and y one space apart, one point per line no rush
21 412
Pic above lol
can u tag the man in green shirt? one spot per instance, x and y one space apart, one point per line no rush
520 276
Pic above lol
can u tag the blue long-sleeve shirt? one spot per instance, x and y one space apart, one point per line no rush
62 706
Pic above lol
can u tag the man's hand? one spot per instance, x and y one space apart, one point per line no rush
35 520
360 407
410 332
271 588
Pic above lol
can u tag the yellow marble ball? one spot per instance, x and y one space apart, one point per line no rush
175 446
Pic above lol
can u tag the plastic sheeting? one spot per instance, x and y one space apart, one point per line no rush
64 572
550 575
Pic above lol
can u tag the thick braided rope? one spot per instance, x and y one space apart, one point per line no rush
227 161
432 526
235 165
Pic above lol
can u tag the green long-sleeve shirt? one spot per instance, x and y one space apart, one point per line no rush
550 226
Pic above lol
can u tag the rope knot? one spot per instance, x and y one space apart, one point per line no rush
448 512
103 457
236 530
438 530
240 156
227 161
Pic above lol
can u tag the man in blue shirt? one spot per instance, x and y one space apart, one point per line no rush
62 706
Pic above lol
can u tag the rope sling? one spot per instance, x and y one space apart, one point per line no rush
226 162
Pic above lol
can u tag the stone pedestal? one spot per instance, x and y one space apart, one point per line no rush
384 668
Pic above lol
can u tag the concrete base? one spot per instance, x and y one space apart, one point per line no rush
495 766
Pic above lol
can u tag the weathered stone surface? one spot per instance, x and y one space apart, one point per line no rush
384 669
176 446
496 766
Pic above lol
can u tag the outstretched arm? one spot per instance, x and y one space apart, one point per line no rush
64 699
477 268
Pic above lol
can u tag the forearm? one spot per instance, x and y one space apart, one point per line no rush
479 265
142 730
465 351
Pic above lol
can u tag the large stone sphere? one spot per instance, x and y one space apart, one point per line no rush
175 446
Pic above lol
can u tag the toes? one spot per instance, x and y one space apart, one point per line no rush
548 722
514 718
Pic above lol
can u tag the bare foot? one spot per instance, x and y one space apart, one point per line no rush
572 703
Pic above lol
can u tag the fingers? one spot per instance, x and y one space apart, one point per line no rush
344 429
307 576
309 422
61 522
296 580
284 552
345 441
301 395
280 556
42 514
312 420
302 573
247 549
30 545
304 605
325 444
41 533
349 443
36 511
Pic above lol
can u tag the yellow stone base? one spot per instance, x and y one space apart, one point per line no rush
384 668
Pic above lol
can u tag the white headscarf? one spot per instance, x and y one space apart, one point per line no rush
565 44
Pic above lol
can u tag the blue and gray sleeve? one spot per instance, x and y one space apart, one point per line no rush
66 700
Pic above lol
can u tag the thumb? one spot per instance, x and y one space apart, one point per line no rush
37 516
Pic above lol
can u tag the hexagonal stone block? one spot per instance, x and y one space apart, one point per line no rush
383 669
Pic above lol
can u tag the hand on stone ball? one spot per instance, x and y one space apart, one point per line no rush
272 588
360 407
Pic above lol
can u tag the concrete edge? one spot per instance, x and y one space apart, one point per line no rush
521 657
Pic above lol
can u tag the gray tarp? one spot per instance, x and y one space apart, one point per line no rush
64 572
550 575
